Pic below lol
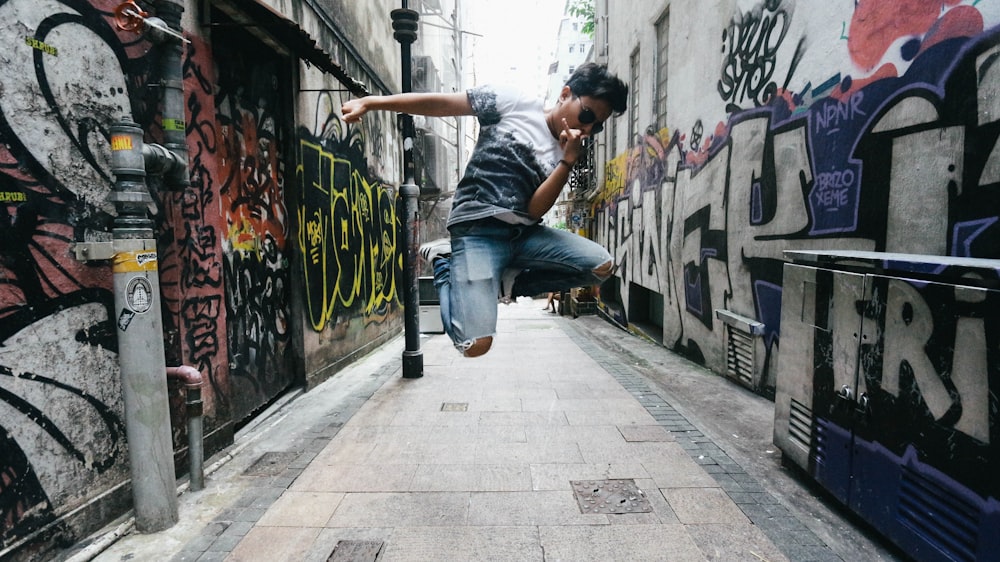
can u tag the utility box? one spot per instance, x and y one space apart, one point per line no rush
430 307
886 393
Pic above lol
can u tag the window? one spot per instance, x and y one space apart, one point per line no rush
576 26
662 38
633 88
572 47
572 69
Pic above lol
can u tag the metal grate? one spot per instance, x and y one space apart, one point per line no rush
356 551
618 496
800 428
270 464
740 355
938 515
740 346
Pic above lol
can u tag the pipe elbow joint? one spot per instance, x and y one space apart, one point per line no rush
187 374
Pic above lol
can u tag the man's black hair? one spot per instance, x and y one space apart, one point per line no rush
594 80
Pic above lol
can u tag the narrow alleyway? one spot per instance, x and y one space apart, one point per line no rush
477 461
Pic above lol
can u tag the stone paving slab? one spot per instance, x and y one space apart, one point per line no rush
473 462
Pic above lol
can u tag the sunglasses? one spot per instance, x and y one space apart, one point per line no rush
587 116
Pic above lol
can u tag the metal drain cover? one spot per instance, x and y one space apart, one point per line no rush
610 496
270 464
356 551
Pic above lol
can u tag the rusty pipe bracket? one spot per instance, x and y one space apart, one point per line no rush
130 17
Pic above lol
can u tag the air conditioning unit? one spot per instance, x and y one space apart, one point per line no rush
424 75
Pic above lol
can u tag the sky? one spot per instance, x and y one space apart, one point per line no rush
518 40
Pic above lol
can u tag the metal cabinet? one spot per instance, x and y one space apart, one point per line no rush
887 393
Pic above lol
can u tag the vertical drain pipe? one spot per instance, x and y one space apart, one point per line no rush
172 75
136 275
192 380
140 336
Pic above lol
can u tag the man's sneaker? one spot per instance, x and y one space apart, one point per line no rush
440 248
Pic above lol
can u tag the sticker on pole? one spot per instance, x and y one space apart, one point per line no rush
125 318
139 294
131 262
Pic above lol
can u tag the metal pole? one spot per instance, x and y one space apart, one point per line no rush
404 24
140 337
196 445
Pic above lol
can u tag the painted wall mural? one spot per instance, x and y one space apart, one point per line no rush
62 438
227 246
254 119
347 224
191 255
897 152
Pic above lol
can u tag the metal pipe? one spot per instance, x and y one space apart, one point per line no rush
140 336
136 283
192 380
171 71
404 24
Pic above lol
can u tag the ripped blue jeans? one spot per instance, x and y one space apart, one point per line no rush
468 283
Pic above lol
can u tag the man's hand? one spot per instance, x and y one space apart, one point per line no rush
352 110
570 140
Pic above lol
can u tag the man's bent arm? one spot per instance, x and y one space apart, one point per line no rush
547 193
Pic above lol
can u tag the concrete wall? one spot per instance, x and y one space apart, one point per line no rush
352 256
278 264
792 126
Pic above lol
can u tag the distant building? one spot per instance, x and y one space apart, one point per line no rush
573 48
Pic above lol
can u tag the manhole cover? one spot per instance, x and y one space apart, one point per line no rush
356 551
270 464
455 407
610 496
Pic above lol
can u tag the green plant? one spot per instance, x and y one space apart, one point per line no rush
583 9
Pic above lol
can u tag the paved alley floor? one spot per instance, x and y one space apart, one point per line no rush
548 448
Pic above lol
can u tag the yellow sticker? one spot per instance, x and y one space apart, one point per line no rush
12 197
173 124
126 262
121 142
41 46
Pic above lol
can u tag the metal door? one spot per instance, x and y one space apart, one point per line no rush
254 113
821 327
924 469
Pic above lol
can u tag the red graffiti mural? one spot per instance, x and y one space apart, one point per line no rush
877 24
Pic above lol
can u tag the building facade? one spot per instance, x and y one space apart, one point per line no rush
278 252
803 197
755 128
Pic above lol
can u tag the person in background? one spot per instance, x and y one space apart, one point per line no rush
522 160
550 304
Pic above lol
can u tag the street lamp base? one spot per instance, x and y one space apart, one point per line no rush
413 364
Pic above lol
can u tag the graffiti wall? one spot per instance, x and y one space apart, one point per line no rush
278 263
62 439
348 233
191 255
852 125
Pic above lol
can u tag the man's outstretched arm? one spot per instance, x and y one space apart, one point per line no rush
429 104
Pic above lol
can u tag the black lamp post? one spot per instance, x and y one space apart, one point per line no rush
404 25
